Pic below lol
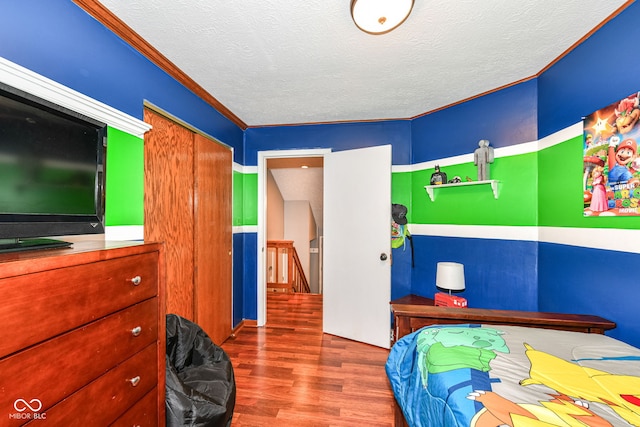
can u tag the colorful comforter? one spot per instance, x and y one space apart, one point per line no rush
489 376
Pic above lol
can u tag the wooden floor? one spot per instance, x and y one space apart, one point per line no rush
289 373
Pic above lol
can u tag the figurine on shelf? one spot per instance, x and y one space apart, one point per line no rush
481 158
455 180
438 177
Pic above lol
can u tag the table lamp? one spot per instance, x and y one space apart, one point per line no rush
450 277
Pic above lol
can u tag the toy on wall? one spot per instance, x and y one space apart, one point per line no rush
438 177
482 157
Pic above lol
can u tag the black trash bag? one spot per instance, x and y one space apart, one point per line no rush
201 389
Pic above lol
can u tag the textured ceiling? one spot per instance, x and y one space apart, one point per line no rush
276 62
303 184
296 183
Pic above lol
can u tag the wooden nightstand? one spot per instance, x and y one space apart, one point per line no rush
400 320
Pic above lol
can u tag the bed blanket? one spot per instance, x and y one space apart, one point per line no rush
489 376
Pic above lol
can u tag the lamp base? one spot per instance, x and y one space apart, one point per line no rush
445 300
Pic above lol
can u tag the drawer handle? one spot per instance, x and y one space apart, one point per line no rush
136 331
136 280
134 381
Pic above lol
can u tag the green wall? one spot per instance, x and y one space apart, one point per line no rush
560 195
124 179
475 204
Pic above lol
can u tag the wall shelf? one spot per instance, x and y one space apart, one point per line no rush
492 182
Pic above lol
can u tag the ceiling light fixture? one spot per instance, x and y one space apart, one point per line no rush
380 16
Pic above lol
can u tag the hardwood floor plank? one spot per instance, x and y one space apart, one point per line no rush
288 373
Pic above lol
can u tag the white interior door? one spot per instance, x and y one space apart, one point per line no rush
357 245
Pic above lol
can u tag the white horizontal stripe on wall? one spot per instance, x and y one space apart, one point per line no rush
612 239
237 229
237 167
124 232
475 231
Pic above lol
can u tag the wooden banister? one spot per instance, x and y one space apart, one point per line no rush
284 269
300 283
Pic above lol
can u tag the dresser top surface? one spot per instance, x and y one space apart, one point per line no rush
81 252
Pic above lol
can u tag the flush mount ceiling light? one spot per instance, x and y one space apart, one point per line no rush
380 16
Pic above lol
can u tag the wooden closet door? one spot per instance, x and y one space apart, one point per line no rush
213 237
168 206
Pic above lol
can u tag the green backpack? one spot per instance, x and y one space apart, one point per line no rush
398 235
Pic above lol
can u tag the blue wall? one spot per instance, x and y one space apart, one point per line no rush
596 73
500 274
60 41
505 118
341 136
593 281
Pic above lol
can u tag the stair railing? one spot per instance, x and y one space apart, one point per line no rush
284 269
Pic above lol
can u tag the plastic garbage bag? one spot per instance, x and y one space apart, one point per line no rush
200 388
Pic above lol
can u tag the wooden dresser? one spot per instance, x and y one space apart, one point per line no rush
83 336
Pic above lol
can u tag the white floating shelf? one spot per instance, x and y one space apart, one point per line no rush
492 182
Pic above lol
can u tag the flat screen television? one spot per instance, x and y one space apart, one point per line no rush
52 172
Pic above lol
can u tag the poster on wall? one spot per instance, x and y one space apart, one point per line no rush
611 166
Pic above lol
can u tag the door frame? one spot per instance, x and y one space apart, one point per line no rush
263 156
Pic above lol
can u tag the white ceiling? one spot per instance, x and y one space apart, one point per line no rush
297 183
303 184
276 62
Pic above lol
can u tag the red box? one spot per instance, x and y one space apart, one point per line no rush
446 300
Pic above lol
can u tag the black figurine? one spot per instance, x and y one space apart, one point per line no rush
438 177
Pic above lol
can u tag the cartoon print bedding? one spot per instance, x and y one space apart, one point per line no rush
489 376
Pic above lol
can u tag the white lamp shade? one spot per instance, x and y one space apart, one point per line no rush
380 16
450 276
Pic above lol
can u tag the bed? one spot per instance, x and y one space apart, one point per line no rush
481 368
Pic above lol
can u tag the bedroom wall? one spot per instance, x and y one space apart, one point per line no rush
586 264
491 237
566 262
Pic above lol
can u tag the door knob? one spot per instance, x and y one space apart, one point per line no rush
383 257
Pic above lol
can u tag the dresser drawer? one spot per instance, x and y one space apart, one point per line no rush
56 368
104 400
143 414
41 305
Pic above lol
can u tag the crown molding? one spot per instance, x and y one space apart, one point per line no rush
122 30
28 81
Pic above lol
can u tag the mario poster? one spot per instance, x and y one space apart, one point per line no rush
611 165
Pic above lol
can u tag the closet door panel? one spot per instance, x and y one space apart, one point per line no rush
213 237
168 206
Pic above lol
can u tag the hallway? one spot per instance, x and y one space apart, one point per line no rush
289 373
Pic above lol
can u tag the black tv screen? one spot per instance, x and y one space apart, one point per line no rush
51 170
